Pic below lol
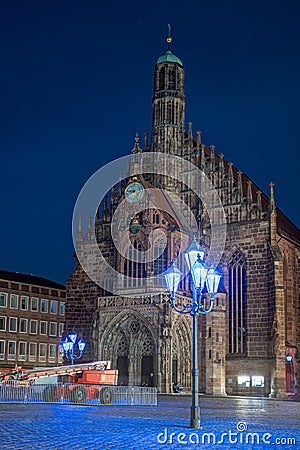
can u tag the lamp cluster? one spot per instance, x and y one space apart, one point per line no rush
202 275
73 347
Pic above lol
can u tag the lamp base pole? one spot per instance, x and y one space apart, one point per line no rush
195 409
195 417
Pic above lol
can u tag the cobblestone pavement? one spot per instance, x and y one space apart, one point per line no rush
245 424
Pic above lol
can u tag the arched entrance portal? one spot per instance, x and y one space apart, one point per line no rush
181 352
129 342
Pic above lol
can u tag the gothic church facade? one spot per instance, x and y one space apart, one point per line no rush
248 344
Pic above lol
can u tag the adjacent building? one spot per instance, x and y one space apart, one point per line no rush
249 343
32 314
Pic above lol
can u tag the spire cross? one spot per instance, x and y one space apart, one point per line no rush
169 38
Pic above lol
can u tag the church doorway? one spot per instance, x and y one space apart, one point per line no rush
122 366
147 371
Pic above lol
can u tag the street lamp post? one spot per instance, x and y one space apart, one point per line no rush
73 347
201 275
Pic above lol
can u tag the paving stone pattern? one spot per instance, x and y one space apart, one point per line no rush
72 427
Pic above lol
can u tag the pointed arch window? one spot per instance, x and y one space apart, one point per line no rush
133 266
160 253
162 76
172 79
237 304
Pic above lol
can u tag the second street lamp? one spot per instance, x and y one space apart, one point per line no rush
69 346
201 275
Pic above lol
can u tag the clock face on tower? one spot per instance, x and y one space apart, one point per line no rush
134 192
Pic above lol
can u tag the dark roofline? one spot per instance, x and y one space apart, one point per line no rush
284 223
29 279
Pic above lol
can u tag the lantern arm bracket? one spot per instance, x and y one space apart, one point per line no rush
186 309
206 311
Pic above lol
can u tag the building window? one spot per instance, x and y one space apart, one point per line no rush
24 302
160 258
53 329
22 351
11 350
61 329
2 349
258 381
2 323
217 337
34 304
3 299
244 381
42 352
62 308
14 301
32 351
209 354
43 328
133 267
52 352
13 324
33 327
53 307
44 305
23 325
237 304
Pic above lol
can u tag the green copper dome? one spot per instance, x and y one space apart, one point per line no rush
169 57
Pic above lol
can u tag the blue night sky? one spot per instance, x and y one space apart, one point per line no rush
76 85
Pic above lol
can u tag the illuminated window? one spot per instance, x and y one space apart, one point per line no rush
237 304
244 381
257 381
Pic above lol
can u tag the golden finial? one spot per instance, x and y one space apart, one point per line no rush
169 38
136 148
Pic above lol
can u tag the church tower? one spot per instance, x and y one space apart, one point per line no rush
168 103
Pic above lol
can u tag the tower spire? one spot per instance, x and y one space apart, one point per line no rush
169 38
168 103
